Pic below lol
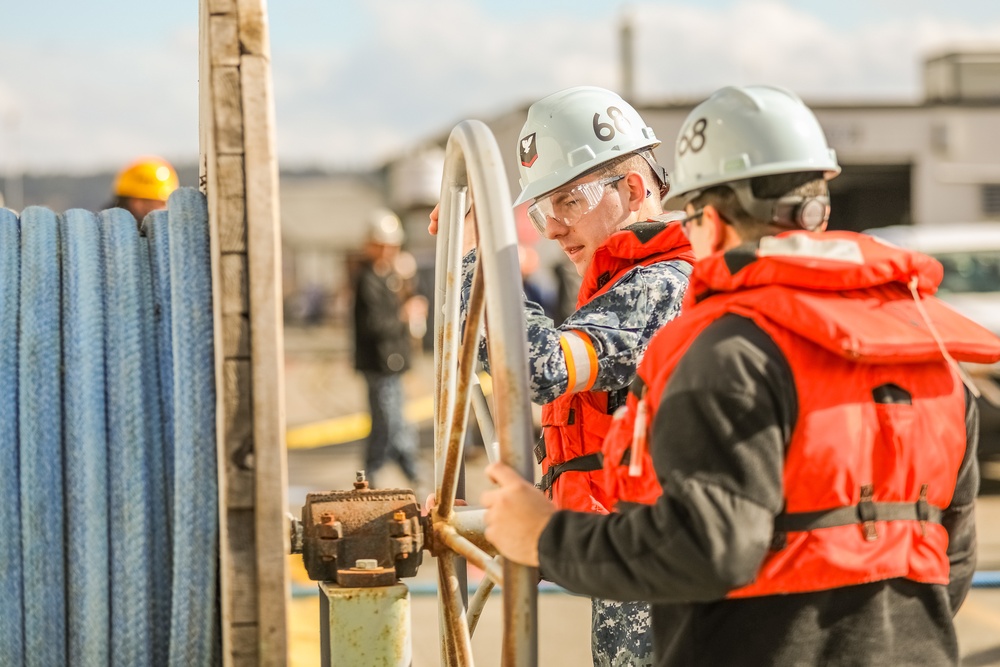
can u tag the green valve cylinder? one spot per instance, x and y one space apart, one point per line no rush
365 625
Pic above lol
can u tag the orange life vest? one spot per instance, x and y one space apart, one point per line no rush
574 424
880 433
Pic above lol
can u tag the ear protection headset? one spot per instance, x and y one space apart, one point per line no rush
807 213
793 211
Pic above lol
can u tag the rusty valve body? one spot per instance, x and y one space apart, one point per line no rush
362 537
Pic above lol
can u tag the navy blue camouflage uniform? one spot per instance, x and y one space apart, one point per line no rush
619 322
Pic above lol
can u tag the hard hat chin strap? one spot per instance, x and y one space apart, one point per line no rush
660 173
793 211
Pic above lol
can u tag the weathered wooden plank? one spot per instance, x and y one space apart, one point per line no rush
232 225
267 349
253 28
239 462
235 337
208 178
225 40
245 645
234 284
229 179
221 6
228 110
242 547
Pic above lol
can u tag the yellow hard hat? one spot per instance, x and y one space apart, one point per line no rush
148 177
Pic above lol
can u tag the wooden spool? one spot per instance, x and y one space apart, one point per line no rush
239 175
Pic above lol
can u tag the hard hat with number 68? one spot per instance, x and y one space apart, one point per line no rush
148 177
743 132
573 131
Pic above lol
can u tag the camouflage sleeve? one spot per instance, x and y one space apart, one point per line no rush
600 345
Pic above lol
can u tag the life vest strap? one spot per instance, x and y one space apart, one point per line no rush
585 463
865 513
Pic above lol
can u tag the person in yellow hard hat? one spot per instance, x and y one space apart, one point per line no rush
144 185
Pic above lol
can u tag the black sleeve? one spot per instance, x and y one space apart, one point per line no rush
959 518
718 442
378 307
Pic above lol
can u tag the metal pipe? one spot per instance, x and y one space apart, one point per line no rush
447 314
470 551
455 435
473 161
484 417
455 632
470 523
478 602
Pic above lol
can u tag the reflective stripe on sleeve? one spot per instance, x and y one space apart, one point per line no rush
581 361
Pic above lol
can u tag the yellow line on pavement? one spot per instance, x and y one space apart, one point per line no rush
357 426
351 428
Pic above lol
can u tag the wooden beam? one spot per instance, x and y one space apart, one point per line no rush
267 353
225 46
253 28
208 179
240 176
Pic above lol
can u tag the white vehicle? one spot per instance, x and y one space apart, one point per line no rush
970 255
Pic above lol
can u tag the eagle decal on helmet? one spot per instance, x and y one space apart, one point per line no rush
529 152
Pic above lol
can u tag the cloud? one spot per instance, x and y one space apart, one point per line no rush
687 51
354 95
99 104
419 76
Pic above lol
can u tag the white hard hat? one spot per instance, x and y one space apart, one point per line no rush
742 132
384 227
573 131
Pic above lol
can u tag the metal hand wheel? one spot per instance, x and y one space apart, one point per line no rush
472 161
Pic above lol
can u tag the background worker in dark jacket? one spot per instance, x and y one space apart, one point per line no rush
811 432
384 307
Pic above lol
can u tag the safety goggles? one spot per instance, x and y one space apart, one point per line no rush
568 206
685 222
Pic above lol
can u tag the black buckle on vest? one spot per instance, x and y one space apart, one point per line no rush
866 512
616 399
779 540
585 463
545 483
539 449
923 510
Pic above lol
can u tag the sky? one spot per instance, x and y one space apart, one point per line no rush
86 86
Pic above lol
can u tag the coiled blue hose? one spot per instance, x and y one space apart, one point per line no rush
11 617
193 623
86 470
105 336
128 441
156 230
159 556
40 431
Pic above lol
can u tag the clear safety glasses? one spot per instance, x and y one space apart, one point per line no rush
568 206
686 221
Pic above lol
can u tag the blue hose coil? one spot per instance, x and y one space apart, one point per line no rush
194 622
11 618
156 468
128 443
86 470
108 368
40 430
156 230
